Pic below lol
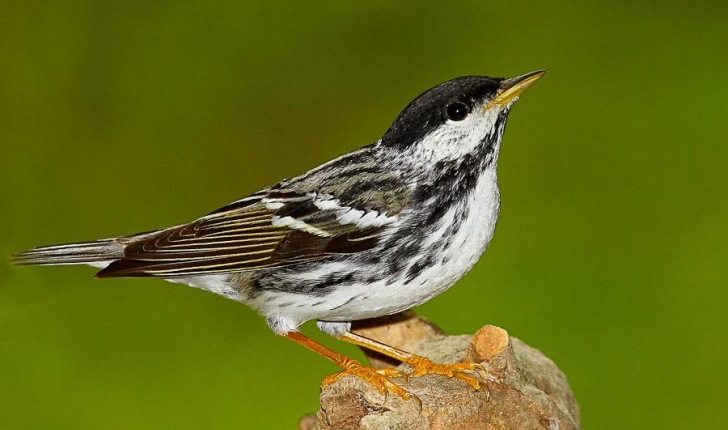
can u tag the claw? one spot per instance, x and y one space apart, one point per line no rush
378 378
424 366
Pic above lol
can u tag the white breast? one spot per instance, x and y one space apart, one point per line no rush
385 297
466 246
286 311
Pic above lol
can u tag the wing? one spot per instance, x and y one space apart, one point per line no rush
277 227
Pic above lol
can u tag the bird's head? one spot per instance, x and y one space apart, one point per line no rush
456 118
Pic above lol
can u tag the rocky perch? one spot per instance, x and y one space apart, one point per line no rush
522 388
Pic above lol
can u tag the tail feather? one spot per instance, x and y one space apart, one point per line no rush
97 253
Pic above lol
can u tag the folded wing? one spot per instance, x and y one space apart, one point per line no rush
271 228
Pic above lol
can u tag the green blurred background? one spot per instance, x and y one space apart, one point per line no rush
118 117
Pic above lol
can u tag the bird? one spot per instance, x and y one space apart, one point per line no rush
372 233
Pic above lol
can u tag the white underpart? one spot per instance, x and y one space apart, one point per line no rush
384 297
214 283
469 243
323 271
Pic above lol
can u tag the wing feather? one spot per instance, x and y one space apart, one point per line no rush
251 234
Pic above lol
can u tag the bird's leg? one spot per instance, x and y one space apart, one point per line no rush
421 365
379 378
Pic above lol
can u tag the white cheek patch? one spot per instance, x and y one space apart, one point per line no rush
455 139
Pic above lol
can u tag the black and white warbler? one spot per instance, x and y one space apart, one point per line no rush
374 232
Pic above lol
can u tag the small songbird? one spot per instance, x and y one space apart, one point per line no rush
372 233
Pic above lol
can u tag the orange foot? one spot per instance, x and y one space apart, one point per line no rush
378 378
424 366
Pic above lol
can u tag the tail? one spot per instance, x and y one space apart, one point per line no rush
99 253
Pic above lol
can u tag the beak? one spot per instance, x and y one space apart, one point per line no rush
512 88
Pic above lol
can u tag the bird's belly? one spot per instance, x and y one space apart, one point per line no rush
445 255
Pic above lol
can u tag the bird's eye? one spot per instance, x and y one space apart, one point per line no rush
457 111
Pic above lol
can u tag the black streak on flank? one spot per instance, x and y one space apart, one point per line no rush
416 269
404 253
333 280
